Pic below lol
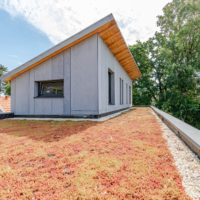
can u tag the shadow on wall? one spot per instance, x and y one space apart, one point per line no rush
45 131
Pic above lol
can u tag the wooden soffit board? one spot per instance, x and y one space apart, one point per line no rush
117 45
109 31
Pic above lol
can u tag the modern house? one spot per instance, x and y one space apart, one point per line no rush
88 74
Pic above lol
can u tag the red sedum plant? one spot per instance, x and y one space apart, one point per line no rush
123 158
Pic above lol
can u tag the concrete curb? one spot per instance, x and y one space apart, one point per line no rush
189 134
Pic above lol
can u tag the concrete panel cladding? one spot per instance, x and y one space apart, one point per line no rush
106 62
67 81
13 95
24 89
84 91
77 66
22 94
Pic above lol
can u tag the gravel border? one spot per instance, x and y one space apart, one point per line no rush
187 163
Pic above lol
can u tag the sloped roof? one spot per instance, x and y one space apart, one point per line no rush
5 104
107 28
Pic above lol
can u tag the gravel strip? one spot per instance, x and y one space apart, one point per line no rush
187 163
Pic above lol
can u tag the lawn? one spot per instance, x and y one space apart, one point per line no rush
123 158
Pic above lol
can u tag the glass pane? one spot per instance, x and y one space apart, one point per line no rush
51 88
109 88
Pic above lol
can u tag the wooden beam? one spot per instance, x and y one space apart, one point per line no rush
109 32
117 36
116 44
128 60
122 53
125 59
129 70
119 49
129 65
122 58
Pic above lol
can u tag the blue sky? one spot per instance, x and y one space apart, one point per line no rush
29 27
19 40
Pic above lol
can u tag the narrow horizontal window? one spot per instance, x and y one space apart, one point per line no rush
53 88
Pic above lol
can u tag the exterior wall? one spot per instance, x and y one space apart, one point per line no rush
77 66
84 90
106 61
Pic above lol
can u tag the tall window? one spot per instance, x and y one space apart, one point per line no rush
129 94
111 88
121 86
53 88
126 93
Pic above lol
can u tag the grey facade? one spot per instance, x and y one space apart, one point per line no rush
84 68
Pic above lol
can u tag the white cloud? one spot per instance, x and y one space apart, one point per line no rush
59 19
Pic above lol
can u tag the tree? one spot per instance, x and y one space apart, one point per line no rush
4 87
180 27
143 90
171 82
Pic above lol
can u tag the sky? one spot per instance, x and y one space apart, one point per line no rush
29 27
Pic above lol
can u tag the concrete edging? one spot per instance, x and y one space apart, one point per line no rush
95 116
189 134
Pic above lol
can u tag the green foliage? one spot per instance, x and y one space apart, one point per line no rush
144 87
4 87
3 69
8 89
170 63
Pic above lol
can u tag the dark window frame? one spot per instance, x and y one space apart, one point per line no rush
129 94
126 93
41 84
111 87
121 92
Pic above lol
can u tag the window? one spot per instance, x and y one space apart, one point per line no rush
126 93
52 88
129 94
121 86
111 88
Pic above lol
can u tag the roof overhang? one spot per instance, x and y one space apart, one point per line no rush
107 28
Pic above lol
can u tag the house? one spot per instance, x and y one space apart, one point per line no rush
88 75
5 104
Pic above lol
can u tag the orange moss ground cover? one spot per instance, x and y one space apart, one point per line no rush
122 158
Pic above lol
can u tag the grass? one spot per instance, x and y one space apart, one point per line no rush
122 158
